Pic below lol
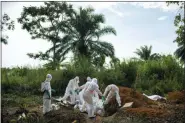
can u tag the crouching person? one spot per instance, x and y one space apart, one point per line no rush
113 92
88 97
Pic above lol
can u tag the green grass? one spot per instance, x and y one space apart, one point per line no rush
19 100
151 77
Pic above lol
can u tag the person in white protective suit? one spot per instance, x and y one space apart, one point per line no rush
113 91
46 88
76 86
82 104
70 90
83 88
88 96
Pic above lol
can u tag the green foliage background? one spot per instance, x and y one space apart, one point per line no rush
151 76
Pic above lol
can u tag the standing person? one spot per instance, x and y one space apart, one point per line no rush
113 91
70 90
88 96
46 88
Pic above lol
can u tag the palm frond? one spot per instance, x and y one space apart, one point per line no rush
180 52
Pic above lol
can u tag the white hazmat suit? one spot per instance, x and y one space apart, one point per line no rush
82 102
83 88
113 91
88 96
46 88
70 90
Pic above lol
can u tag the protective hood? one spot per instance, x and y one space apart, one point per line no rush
95 80
48 78
77 79
88 79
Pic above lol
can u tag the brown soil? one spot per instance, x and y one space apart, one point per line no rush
176 97
128 95
143 109
148 112
65 115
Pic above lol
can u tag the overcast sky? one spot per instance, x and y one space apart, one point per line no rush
136 23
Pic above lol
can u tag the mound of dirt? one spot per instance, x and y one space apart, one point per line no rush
147 115
131 95
148 112
176 97
128 95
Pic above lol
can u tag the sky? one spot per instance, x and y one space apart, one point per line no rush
136 24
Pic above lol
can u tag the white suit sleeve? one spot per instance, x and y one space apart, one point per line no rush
98 91
47 86
96 95
106 91
70 85
82 87
42 87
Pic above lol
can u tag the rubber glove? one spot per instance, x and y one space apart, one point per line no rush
115 93
103 98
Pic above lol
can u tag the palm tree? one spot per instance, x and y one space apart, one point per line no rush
83 33
114 61
145 53
180 52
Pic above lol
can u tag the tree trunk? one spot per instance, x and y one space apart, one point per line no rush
54 53
184 61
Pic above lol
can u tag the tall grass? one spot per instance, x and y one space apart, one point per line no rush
151 77
159 77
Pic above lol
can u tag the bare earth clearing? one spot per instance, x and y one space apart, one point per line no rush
144 110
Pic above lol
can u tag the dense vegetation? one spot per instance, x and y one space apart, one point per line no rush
152 76
80 31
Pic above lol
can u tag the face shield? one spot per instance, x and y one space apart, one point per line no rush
48 77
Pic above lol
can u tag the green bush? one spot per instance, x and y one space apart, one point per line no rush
159 77
152 76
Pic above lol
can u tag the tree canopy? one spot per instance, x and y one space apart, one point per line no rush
6 24
47 22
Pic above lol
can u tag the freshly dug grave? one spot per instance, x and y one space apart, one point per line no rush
147 115
128 95
131 95
146 110
176 97
149 112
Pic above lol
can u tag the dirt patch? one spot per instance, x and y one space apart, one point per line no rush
176 97
131 95
11 115
148 112
171 114
128 95
65 115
